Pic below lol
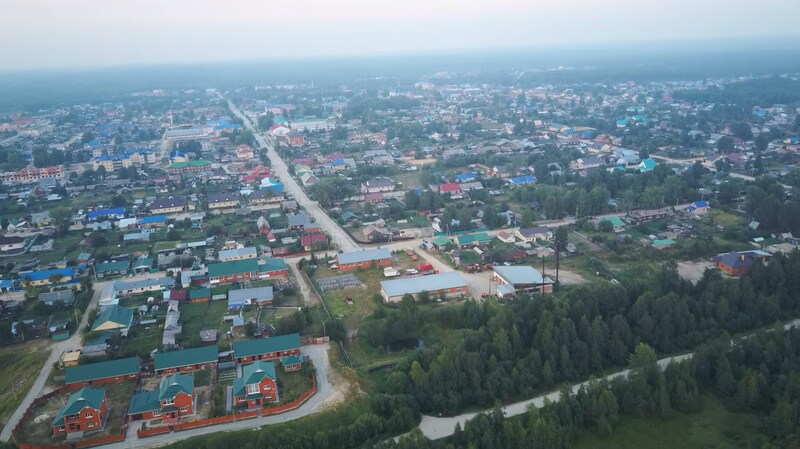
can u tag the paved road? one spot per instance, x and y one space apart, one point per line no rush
317 353
279 168
56 349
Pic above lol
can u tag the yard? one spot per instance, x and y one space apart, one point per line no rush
37 429
363 298
19 364
292 384
198 316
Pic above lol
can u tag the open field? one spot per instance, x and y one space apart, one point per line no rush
712 427
19 365
693 270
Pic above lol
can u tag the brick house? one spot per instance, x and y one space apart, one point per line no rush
379 257
238 270
185 360
168 206
292 363
273 268
256 386
173 400
223 201
84 411
266 348
102 372
738 263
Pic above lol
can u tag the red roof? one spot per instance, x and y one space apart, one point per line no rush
449 187
178 295
310 238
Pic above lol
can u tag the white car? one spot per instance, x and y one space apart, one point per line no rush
412 271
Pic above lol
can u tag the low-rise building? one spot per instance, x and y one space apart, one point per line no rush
521 279
102 372
266 348
261 296
185 360
379 257
173 400
447 285
84 411
228 255
257 385
238 270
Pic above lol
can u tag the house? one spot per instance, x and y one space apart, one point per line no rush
295 139
586 163
378 257
698 208
228 255
308 179
237 270
115 268
261 296
102 372
292 363
646 165
223 200
644 215
522 278
299 220
500 171
127 288
97 346
107 214
312 240
143 265
152 222
471 240
47 277
616 223
506 237
65 296
378 185
85 411
185 360
466 177
624 157
440 242
444 284
449 187
114 318
168 206
522 180
256 386
200 295
273 268
173 399
531 235
12 243
660 244
244 153
266 348
738 263
40 219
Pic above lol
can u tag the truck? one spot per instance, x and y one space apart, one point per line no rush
390 272
426 269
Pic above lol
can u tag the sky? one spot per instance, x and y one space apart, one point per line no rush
89 33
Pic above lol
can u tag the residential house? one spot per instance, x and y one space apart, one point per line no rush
313 240
646 165
644 215
299 220
522 180
173 400
238 270
185 360
378 185
244 153
47 277
448 188
102 372
739 263
292 363
616 223
273 268
168 206
261 296
12 243
108 214
506 237
200 295
66 297
698 208
266 348
534 234
586 163
223 200
228 255
114 268
115 318
295 139
84 411
472 240
378 257
257 385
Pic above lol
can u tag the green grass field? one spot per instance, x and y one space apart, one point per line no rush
713 427
19 364
196 317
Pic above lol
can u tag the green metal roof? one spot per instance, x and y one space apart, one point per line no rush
185 357
233 267
467 239
615 221
192 163
248 348
115 314
200 293
120 265
145 401
102 370
174 384
79 400
291 360
272 264
441 240
663 242
252 374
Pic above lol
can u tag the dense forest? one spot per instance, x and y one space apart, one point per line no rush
502 353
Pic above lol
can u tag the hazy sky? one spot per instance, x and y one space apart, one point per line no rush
76 33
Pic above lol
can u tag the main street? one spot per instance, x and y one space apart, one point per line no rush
281 170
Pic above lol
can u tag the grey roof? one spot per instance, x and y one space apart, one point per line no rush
238 252
121 285
434 282
299 219
521 274
379 182
258 293
65 296
364 256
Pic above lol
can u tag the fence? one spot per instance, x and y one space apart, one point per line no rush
230 418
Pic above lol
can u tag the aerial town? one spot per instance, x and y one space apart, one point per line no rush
181 262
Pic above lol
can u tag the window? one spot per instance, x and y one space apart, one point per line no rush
89 415
90 425
157 413
252 389
167 402
268 387
62 428
184 409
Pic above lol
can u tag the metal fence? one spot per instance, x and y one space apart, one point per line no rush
339 282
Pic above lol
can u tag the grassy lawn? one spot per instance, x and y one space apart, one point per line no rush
202 378
199 316
292 385
364 303
714 426
141 341
726 219
19 364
